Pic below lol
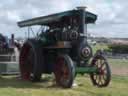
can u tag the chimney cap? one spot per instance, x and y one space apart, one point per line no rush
81 7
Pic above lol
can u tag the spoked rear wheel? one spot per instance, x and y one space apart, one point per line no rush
30 62
103 76
64 71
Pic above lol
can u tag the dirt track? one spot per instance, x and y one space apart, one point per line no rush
123 71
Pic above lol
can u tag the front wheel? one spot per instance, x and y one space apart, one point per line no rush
103 76
64 71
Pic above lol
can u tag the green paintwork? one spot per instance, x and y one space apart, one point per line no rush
45 39
46 20
82 70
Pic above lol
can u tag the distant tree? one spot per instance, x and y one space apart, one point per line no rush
118 48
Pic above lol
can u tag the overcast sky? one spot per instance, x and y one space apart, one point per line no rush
112 14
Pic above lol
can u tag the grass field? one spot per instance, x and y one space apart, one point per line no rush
12 86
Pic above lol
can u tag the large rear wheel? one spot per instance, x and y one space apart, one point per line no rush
64 71
31 61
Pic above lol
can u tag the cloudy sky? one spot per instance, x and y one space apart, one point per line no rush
112 14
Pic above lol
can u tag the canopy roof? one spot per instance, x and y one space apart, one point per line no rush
47 20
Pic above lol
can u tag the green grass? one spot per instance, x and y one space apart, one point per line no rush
10 86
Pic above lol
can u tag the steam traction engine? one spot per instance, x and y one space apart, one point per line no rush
62 48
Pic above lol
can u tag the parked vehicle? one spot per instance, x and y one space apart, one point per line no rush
62 48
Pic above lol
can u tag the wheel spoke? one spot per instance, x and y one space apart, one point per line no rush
95 77
99 63
104 69
103 80
104 77
98 79
102 64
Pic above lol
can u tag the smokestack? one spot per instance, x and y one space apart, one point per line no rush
82 23
82 10
12 39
